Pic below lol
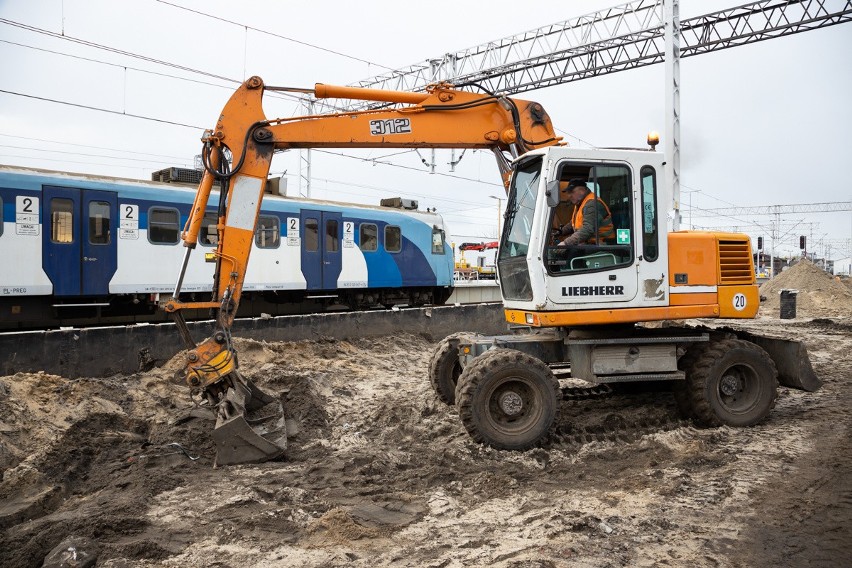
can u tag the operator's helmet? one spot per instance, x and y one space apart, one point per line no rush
577 182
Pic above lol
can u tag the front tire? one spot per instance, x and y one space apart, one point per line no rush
732 382
445 369
508 399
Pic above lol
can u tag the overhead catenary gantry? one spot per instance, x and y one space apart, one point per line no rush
628 36
623 37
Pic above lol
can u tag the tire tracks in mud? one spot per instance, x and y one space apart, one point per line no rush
597 415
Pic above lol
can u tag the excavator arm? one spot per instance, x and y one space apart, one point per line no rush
442 117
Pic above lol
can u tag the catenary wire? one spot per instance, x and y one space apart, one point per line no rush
273 34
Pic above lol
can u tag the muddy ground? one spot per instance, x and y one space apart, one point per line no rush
383 474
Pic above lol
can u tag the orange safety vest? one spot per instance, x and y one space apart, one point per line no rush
606 231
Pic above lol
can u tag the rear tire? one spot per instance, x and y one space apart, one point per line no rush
508 399
732 382
444 368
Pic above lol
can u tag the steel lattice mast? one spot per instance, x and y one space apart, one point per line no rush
628 36
624 37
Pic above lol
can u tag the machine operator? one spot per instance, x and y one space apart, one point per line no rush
591 220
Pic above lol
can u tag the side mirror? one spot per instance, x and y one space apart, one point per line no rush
552 192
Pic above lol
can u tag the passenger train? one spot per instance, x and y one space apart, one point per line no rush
80 249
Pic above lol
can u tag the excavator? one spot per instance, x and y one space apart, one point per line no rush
581 305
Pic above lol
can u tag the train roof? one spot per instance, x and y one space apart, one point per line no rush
141 183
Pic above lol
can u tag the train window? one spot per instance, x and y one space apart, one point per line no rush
163 226
331 236
1 216
650 249
369 236
311 235
268 234
61 220
437 240
393 239
208 235
99 222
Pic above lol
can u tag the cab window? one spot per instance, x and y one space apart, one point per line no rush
650 237
591 226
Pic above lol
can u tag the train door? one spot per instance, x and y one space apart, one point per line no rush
78 241
321 242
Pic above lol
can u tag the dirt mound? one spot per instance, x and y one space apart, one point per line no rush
819 293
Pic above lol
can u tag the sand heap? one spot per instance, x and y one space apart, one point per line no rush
820 294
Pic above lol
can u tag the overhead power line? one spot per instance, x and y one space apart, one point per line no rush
119 65
88 107
279 95
64 143
54 151
377 161
115 50
828 207
272 34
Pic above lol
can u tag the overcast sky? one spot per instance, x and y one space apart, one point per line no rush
762 124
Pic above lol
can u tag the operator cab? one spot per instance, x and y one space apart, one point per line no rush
621 261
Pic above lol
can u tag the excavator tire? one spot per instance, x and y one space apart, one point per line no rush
731 382
680 389
444 368
507 399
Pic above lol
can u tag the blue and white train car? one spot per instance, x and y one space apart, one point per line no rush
79 249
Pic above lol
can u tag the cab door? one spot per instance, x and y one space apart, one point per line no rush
601 270
321 255
78 240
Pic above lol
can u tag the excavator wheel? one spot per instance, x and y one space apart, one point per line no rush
731 382
508 399
680 389
444 368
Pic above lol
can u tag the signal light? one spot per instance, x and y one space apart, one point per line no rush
802 242
759 243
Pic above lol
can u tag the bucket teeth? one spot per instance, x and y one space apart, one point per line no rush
250 426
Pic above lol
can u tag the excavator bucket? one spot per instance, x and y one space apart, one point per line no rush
250 426
791 359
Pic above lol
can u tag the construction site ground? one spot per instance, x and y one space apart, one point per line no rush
380 473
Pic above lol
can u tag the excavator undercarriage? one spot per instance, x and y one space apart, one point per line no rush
507 390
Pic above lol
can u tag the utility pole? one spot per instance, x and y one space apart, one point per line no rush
671 27
305 156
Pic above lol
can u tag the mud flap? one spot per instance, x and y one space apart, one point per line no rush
791 358
250 426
